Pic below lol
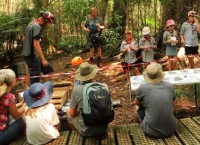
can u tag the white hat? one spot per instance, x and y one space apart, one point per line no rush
145 31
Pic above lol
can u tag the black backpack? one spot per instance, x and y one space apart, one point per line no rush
97 105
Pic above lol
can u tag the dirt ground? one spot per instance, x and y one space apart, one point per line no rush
116 80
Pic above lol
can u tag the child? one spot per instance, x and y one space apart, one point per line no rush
8 107
129 47
147 43
170 39
42 122
76 61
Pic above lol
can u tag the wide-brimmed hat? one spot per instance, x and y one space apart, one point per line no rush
192 13
38 94
170 23
86 71
145 31
153 73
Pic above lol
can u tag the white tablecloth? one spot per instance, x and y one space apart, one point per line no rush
177 77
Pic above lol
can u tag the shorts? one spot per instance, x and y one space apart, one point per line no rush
36 67
95 41
141 113
191 50
126 65
12 131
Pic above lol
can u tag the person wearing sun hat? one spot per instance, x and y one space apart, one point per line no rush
86 74
148 44
154 102
42 122
189 36
170 40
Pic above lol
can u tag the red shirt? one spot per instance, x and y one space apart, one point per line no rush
5 102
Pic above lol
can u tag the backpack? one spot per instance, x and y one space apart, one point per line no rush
97 105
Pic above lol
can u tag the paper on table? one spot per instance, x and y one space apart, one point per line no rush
174 39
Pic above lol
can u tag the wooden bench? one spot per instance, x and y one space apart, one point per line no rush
187 133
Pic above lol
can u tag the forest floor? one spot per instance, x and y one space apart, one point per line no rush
116 81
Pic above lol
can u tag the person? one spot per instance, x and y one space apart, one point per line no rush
129 47
154 101
42 122
94 26
86 73
76 61
9 107
189 36
170 39
32 51
148 44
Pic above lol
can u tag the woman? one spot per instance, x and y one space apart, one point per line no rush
9 107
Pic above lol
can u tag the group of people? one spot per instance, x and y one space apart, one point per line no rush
39 119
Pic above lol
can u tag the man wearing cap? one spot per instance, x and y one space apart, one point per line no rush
32 50
154 101
189 36
85 73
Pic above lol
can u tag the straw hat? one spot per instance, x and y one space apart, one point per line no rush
153 73
170 23
145 31
86 71
38 94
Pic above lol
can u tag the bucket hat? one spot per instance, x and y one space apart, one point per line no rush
145 31
153 73
38 94
86 71
170 23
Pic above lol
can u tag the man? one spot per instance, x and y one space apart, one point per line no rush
155 100
94 26
32 50
86 74
189 36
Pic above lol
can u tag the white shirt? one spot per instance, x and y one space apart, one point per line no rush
41 129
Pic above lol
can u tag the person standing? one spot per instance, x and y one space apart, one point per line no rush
94 26
147 43
129 47
170 39
189 36
154 103
32 50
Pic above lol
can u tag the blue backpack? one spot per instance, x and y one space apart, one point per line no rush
97 105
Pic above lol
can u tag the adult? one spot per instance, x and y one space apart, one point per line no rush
94 26
189 36
9 107
86 74
170 39
32 50
155 101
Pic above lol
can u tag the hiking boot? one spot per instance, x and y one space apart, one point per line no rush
99 64
91 62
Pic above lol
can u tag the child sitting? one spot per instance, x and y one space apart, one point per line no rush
8 107
42 122
129 47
